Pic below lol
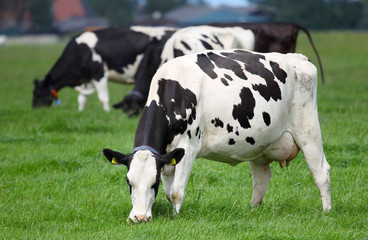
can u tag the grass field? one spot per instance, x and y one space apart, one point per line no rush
56 184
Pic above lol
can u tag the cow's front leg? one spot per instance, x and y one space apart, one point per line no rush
167 176
82 99
261 176
181 177
103 92
84 90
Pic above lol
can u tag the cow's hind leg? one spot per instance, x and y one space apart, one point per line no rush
261 176
309 139
82 99
320 169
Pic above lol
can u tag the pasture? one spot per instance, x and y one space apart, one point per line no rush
56 184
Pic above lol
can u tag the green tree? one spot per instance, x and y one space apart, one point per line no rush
118 12
317 14
17 7
163 5
41 14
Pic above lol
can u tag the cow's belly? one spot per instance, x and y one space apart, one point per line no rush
128 72
282 149
120 78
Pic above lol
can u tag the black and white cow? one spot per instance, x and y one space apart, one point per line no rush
260 37
183 41
229 106
90 59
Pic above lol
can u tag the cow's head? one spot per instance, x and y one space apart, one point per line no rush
143 177
42 96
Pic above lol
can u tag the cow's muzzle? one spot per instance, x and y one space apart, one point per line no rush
139 219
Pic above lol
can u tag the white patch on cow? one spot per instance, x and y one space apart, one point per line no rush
245 39
157 32
85 89
90 39
142 176
120 78
131 69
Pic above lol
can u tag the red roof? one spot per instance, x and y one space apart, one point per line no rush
65 9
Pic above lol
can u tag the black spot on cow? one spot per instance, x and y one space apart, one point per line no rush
266 118
217 41
206 65
197 131
223 80
244 56
178 53
115 54
176 100
227 63
189 134
237 132
250 140
92 69
217 122
244 111
279 73
186 45
153 117
231 141
268 91
254 66
204 35
228 77
229 128
206 45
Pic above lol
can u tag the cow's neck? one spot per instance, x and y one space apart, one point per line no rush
152 128
50 84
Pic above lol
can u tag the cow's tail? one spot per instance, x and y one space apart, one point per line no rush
314 48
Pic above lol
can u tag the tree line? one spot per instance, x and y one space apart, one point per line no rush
319 14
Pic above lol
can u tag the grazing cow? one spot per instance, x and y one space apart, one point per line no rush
260 37
229 106
184 41
91 58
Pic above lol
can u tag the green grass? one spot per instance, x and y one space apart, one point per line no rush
56 184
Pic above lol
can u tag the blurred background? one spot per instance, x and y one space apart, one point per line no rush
66 17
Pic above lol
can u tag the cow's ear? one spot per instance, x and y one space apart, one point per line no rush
116 158
36 82
173 157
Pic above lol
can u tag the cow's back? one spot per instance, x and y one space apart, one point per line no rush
201 38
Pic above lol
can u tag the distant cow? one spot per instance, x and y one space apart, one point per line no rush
228 106
260 37
91 58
